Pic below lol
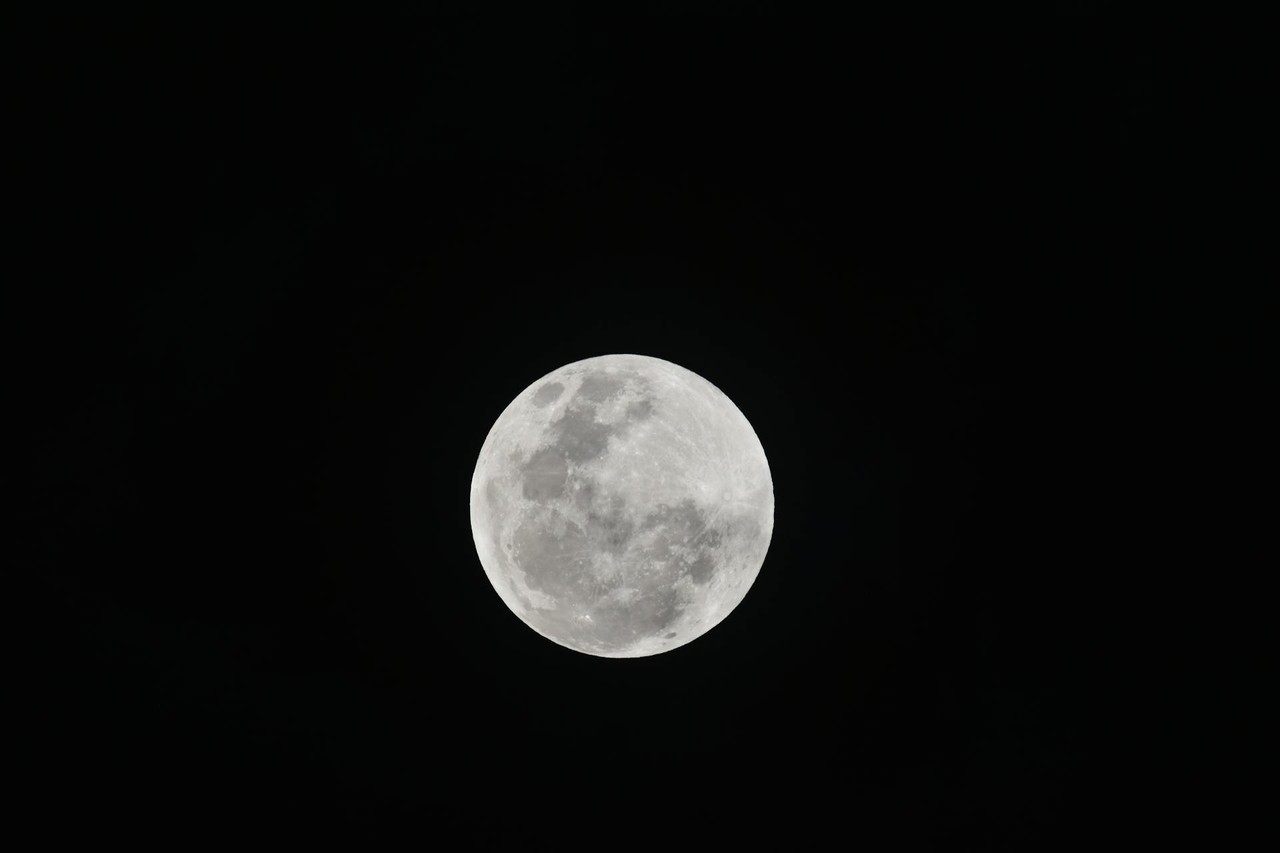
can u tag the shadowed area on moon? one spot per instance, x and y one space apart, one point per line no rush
544 475
548 394
604 569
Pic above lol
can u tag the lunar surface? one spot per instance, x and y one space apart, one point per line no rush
622 506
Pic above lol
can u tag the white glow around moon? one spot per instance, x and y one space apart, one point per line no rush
622 506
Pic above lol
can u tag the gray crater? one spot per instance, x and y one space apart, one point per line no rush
598 387
640 410
702 568
548 394
544 475
579 436
554 563
681 523
609 525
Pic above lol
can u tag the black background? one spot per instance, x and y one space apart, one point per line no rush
292 267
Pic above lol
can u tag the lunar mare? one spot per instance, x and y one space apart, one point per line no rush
622 506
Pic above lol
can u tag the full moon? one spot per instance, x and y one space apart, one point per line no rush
622 506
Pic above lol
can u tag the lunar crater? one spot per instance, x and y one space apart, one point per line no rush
548 394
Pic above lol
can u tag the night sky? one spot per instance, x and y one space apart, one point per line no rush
293 267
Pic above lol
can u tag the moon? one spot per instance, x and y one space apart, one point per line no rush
622 506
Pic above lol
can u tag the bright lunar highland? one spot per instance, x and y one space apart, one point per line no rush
622 506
